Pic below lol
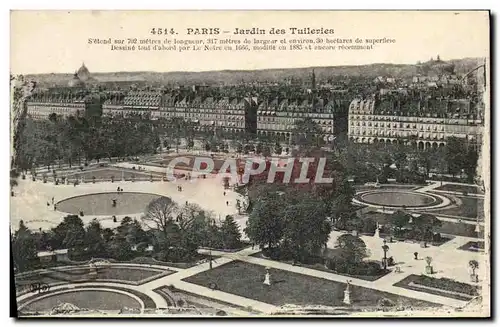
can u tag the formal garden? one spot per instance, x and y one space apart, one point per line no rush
465 208
89 299
84 297
92 273
443 230
463 189
247 280
168 233
473 246
440 286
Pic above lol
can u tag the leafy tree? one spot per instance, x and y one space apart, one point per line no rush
231 236
455 150
119 248
306 229
369 225
353 248
70 233
94 240
131 231
470 164
399 219
193 225
161 215
426 225
266 151
259 148
265 225
306 133
23 248
278 149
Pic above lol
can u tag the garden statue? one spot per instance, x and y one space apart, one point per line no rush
347 293
93 271
377 231
428 268
267 278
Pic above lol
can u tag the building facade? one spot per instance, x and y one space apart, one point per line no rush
276 118
424 127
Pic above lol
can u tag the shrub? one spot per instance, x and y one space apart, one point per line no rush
385 302
437 237
369 225
342 266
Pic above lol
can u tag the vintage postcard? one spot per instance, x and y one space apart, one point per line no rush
250 163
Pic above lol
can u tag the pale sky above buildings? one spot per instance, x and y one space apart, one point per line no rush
57 41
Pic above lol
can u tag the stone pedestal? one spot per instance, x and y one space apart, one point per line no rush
377 233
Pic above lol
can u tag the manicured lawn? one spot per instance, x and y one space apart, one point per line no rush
360 188
470 208
179 165
447 227
473 246
125 274
381 218
182 265
461 291
108 173
459 188
459 229
245 279
321 267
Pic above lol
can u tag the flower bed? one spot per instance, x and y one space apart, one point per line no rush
439 286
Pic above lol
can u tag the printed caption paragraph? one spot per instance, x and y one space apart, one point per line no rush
175 44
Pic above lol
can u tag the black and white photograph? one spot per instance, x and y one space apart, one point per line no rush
250 164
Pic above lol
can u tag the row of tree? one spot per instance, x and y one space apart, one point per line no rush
174 232
369 162
73 139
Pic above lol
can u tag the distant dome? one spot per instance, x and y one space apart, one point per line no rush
83 73
76 82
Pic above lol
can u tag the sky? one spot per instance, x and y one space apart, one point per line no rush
57 41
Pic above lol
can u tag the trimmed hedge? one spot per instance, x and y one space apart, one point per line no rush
342 266
447 284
